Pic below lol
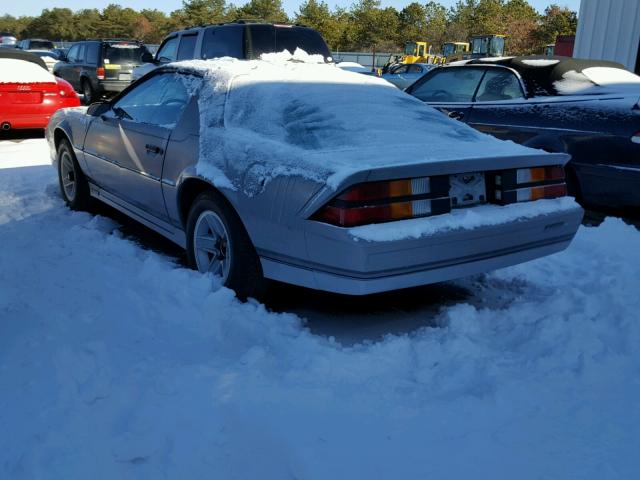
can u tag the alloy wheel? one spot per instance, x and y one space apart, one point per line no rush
211 245
68 176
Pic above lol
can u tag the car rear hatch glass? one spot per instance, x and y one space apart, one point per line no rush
120 58
41 45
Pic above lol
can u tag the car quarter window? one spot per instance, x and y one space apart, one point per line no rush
168 51
499 84
187 48
448 85
157 101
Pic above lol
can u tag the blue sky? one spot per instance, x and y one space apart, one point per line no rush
34 7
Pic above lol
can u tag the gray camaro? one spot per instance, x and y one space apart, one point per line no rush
291 169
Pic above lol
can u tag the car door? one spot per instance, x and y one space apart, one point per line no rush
501 108
125 147
67 68
449 89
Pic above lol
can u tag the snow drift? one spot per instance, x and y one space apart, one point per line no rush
115 362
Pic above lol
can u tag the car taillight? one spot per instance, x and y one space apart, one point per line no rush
64 88
377 202
100 73
527 184
636 138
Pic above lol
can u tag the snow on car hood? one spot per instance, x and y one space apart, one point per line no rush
21 71
293 114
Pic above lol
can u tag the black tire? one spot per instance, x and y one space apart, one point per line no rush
573 184
89 93
245 271
81 197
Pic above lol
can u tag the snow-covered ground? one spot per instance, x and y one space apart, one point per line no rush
116 362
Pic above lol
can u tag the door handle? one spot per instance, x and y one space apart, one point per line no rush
456 115
153 149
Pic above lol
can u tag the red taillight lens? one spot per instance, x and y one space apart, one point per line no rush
377 202
64 88
527 184
100 73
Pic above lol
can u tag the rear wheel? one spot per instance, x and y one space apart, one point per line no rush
74 186
218 243
87 91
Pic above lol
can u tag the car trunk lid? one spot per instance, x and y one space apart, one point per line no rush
26 93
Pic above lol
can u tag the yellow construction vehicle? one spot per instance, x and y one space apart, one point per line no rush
420 52
453 51
487 46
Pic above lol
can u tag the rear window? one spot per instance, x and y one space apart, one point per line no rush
41 45
123 53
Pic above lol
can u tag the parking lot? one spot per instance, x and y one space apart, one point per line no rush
117 356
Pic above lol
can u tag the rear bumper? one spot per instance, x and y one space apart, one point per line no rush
370 267
115 86
34 116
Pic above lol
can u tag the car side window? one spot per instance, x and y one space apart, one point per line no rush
157 101
499 84
414 69
223 41
187 48
93 53
72 56
81 52
449 85
168 52
402 69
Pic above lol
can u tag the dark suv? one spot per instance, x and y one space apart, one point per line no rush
99 68
35 44
239 39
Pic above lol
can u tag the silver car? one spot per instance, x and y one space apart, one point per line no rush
305 180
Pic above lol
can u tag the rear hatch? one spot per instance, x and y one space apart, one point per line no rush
120 58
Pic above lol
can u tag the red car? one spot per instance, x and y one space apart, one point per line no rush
29 94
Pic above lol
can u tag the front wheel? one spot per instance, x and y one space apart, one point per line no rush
74 186
218 243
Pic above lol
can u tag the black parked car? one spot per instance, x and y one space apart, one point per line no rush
238 39
99 68
589 109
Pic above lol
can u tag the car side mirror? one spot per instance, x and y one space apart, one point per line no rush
98 108
147 57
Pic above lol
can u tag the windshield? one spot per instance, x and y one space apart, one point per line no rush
124 53
497 47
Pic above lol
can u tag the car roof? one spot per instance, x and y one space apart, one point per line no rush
540 72
237 23
22 55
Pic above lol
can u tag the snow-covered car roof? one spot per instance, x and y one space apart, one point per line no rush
315 119
567 76
18 71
